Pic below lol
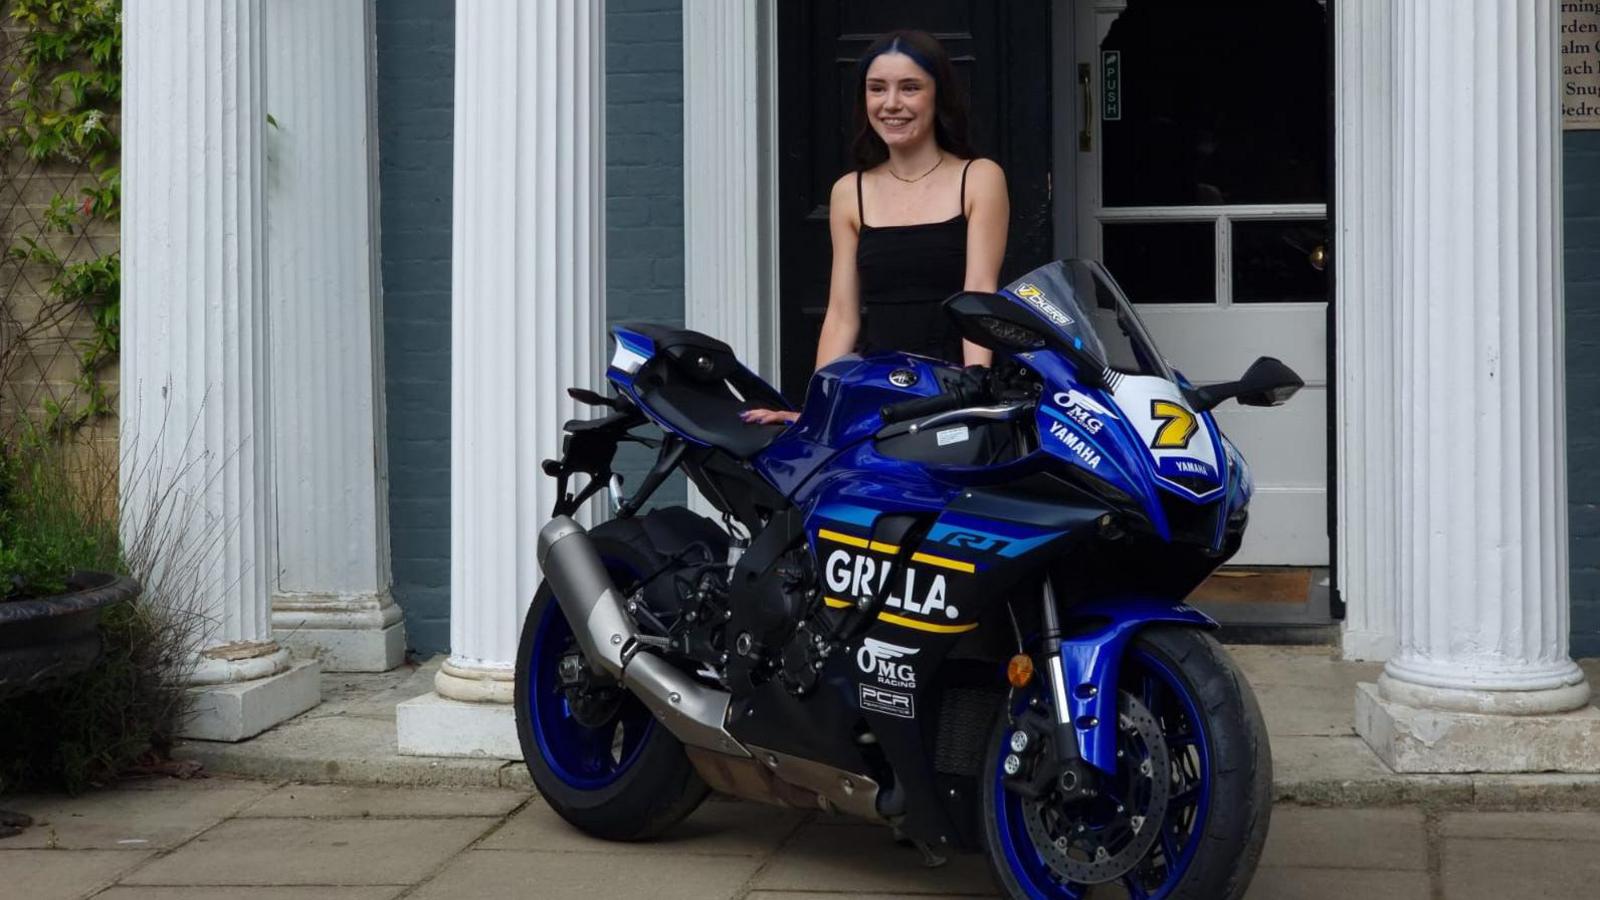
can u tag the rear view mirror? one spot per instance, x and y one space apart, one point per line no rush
1268 382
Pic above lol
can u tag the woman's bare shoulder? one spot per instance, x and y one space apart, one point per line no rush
983 169
842 199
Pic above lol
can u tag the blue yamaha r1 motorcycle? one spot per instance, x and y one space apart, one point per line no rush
947 600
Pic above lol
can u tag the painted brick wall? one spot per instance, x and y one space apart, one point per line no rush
416 72
644 180
1582 207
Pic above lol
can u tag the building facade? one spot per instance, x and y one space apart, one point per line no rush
1335 189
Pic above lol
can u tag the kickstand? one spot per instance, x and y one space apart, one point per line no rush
930 858
12 823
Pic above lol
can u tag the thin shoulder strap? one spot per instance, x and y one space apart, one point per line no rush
964 184
861 206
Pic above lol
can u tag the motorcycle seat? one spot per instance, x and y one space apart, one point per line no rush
696 384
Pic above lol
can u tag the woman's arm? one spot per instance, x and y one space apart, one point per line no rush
842 324
988 219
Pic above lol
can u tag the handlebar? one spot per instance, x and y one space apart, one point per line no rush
921 406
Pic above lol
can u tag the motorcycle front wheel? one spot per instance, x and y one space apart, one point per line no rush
1188 719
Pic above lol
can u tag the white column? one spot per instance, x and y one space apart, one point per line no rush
331 599
724 178
1481 676
730 265
1363 258
197 468
527 323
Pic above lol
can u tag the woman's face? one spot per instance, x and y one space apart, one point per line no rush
900 100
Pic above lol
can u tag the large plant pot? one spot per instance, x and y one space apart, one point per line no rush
46 640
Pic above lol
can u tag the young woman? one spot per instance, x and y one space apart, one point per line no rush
917 220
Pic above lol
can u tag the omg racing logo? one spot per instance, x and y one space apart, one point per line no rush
1084 410
882 660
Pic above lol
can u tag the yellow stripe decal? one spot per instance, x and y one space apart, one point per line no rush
926 626
893 619
838 538
940 561
853 541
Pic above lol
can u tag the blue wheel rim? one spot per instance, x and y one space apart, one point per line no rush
1160 688
583 757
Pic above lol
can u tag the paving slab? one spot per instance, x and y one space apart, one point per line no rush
318 892
1576 828
717 828
340 748
536 873
287 852
52 874
1340 884
151 817
333 801
865 859
814 895
1346 839
1476 869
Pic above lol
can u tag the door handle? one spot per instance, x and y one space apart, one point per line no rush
1086 88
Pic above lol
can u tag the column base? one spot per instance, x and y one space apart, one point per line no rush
346 634
237 710
431 725
1412 739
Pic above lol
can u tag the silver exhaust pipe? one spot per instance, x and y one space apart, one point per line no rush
694 713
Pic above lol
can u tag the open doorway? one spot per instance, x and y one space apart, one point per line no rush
1202 178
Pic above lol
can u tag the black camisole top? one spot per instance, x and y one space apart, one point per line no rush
905 272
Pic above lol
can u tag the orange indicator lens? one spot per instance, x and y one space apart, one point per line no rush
1020 670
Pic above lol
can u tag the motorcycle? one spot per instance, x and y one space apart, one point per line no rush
946 600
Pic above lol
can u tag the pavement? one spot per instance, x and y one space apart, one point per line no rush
1307 698
378 825
262 840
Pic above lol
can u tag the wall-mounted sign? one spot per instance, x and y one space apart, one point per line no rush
1111 78
1580 64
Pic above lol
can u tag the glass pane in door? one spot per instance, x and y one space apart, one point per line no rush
1162 262
1214 103
1282 261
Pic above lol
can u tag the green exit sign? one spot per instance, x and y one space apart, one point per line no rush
1111 85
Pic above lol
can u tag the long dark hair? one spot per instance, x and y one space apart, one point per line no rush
949 102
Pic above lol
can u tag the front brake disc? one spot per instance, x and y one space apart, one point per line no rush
1100 840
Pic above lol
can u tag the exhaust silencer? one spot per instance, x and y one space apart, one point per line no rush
694 713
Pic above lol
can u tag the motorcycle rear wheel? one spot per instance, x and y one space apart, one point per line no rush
1220 804
610 770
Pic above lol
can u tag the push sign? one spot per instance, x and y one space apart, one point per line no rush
1111 81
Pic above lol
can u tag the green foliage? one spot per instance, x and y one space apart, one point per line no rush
58 512
50 521
63 105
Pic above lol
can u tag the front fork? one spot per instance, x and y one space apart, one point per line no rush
1080 673
1064 770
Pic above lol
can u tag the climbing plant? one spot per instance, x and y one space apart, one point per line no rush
60 103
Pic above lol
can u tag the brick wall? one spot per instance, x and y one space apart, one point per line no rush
415 84
1582 262
644 181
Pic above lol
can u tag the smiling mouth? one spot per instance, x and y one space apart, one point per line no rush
895 122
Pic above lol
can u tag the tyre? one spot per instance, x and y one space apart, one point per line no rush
597 755
1203 737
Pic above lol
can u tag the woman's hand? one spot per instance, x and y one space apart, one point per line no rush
768 416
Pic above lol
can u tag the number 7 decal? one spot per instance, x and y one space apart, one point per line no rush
1177 428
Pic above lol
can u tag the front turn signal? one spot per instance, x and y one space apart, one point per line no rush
1020 670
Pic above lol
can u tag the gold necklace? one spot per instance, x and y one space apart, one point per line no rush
919 177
